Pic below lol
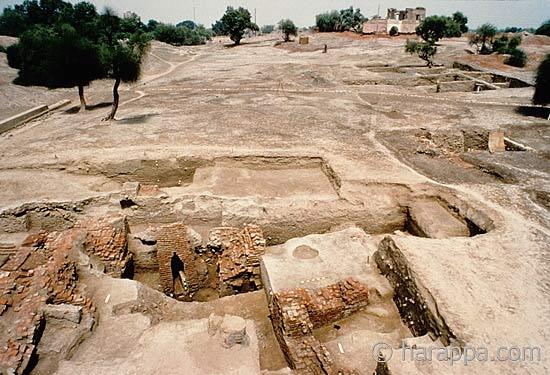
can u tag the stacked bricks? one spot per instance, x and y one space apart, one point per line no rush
174 239
38 274
239 259
107 239
296 313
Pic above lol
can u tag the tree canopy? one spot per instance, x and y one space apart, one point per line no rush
235 22
288 28
483 38
120 58
352 19
542 82
56 57
425 50
343 20
461 20
66 45
544 29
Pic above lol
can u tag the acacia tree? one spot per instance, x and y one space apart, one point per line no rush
235 22
425 50
542 82
288 28
56 58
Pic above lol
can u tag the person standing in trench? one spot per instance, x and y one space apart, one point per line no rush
177 266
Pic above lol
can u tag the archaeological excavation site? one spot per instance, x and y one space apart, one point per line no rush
334 207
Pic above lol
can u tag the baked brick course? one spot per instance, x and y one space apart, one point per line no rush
239 258
296 313
31 279
107 239
174 239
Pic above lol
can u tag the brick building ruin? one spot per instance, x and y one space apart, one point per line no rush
405 21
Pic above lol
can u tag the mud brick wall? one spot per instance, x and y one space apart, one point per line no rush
173 238
33 277
239 260
107 239
296 313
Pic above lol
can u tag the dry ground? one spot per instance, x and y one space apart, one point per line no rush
259 99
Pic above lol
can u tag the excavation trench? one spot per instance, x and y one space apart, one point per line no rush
212 229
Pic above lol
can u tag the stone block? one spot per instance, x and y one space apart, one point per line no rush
430 219
496 141
68 312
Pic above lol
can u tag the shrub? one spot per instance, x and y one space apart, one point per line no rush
394 31
544 29
181 36
542 82
518 58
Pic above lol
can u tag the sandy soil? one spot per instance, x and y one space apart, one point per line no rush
383 141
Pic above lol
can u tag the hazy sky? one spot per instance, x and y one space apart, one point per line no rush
523 13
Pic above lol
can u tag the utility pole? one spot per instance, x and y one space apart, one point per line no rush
194 13
255 33
377 19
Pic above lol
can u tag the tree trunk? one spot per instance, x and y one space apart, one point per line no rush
115 101
82 99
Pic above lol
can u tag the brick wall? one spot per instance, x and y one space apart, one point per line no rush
239 258
44 272
107 239
296 313
173 238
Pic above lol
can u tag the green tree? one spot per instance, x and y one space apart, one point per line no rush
329 21
83 18
352 20
181 36
187 23
55 58
433 28
151 26
131 24
542 82
267 29
517 57
218 28
288 28
425 50
483 38
121 58
461 20
452 29
544 29
236 21
13 22
394 31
